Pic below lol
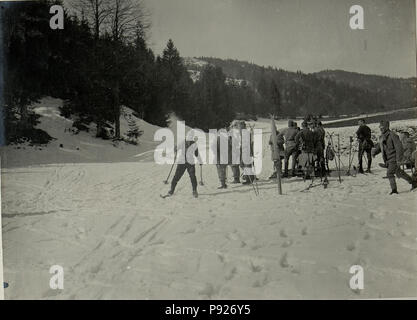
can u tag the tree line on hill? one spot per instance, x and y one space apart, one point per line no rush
101 61
328 92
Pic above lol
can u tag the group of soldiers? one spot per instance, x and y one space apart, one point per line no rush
305 145
306 148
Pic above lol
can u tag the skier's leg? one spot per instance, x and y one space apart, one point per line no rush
360 156
221 172
401 174
178 174
236 173
391 170
288 153
293 161
369 155
193 178
274 168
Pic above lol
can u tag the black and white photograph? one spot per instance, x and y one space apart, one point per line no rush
208 150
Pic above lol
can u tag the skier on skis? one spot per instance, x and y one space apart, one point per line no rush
364 136
189 166
392 152
290 146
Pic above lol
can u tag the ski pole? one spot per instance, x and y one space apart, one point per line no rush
278 169
350 155
253 185
338 151
256 183
201 175
170 171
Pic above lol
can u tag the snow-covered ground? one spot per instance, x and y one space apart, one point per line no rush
106 225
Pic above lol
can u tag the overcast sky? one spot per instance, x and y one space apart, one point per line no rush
306 35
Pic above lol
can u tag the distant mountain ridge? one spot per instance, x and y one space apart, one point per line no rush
390 90
329 92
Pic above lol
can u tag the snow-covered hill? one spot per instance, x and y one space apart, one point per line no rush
73 146
195 66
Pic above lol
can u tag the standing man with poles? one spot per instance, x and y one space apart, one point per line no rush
188 166
364 136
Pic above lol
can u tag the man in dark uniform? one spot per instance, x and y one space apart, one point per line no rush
306 141
320 146
364 135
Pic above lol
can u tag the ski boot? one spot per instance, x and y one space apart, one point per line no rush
368 170
223 186
235 181
394 192
246 181
361 170
273 176
195 194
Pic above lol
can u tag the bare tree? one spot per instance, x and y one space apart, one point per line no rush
126 20
125 17
95 12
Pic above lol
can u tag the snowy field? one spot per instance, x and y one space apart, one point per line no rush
105 223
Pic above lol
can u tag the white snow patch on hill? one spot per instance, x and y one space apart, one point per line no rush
73 146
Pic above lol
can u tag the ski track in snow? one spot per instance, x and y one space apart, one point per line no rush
106 224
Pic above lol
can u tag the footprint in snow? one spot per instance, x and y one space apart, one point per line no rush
287 243
231 274
351 246
284 261
209 290
255 268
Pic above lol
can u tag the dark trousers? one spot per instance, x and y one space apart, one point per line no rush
179 172
364 149
321 162
277 166
395 170
236 172
221 172
290 151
